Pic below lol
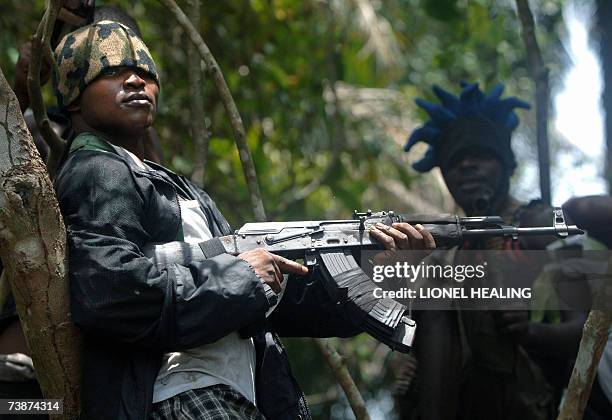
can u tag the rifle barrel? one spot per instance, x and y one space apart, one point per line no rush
527 231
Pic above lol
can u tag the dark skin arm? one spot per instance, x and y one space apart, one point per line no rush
594 214
590 211
561 339
12 339
21 75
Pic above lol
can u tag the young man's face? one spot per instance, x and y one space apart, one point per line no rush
121 101
475 177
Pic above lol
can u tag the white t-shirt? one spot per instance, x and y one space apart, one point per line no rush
230 360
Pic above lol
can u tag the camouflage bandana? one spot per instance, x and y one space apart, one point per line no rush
83 54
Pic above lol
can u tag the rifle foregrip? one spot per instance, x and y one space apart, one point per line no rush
445 228
446 236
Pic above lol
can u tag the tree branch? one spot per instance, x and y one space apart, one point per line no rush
199 132
33 250
5 289
342 375
338 133
248 167
539 74
40 47
594 339
213 69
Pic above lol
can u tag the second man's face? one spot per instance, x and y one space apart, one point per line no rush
474 178
121 101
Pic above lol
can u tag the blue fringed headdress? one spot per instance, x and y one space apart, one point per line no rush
471 120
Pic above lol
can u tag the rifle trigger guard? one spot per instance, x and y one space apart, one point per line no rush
310 259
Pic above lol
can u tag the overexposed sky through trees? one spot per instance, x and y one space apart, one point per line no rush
578 114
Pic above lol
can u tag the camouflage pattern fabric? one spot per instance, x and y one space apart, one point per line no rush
83 54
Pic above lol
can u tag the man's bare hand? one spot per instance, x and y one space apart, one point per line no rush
403 236
270 267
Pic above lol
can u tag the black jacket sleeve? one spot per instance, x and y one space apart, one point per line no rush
306 310
117 291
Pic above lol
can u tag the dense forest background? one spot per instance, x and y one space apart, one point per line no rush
326 90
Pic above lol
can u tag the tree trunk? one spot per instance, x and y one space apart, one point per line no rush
594 338
199 133
539 74
33 251
344 378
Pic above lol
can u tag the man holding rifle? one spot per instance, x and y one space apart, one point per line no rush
181 340
483 363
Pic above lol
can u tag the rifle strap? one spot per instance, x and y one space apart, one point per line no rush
212 248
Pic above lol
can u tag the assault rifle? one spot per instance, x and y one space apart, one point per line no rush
328 246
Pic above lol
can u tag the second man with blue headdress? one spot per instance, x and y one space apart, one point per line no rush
483 364
469 138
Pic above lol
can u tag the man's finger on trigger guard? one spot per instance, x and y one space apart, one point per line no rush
272 278
277 270
278 275
268 277
276 288
289 266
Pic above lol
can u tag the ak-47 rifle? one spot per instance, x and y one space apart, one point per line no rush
328 246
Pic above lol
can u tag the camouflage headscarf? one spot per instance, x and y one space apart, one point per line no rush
83 54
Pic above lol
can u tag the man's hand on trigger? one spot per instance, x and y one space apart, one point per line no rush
270 267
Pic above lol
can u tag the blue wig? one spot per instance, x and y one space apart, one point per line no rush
490 119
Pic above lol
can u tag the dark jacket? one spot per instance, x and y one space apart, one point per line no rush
131 312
